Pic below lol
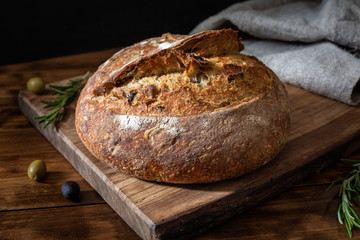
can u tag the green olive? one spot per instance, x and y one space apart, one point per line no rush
37 170
36 85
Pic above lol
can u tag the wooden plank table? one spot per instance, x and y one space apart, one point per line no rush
32 210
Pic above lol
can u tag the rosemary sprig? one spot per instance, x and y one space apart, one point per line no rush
349 187
66 96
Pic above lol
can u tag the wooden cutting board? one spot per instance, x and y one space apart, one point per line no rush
322 130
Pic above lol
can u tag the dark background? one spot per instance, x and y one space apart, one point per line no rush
35 30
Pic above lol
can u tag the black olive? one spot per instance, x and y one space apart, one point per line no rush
199 58
200 76
70 190
161 108
122 81
131 72
234 77
194 79
131 96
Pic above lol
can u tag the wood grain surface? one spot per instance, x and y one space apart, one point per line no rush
168 211
30 210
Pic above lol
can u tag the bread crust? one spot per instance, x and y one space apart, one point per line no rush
208 145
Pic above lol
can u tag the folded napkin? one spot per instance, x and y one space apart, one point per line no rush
311 44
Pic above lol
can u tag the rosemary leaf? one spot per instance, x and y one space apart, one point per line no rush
349 187
66 95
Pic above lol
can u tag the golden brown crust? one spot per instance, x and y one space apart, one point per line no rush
184 109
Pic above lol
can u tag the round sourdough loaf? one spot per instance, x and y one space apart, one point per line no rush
184 109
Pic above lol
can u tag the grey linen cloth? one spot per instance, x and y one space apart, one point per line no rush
311 44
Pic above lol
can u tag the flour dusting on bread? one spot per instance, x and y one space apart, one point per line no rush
130 122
